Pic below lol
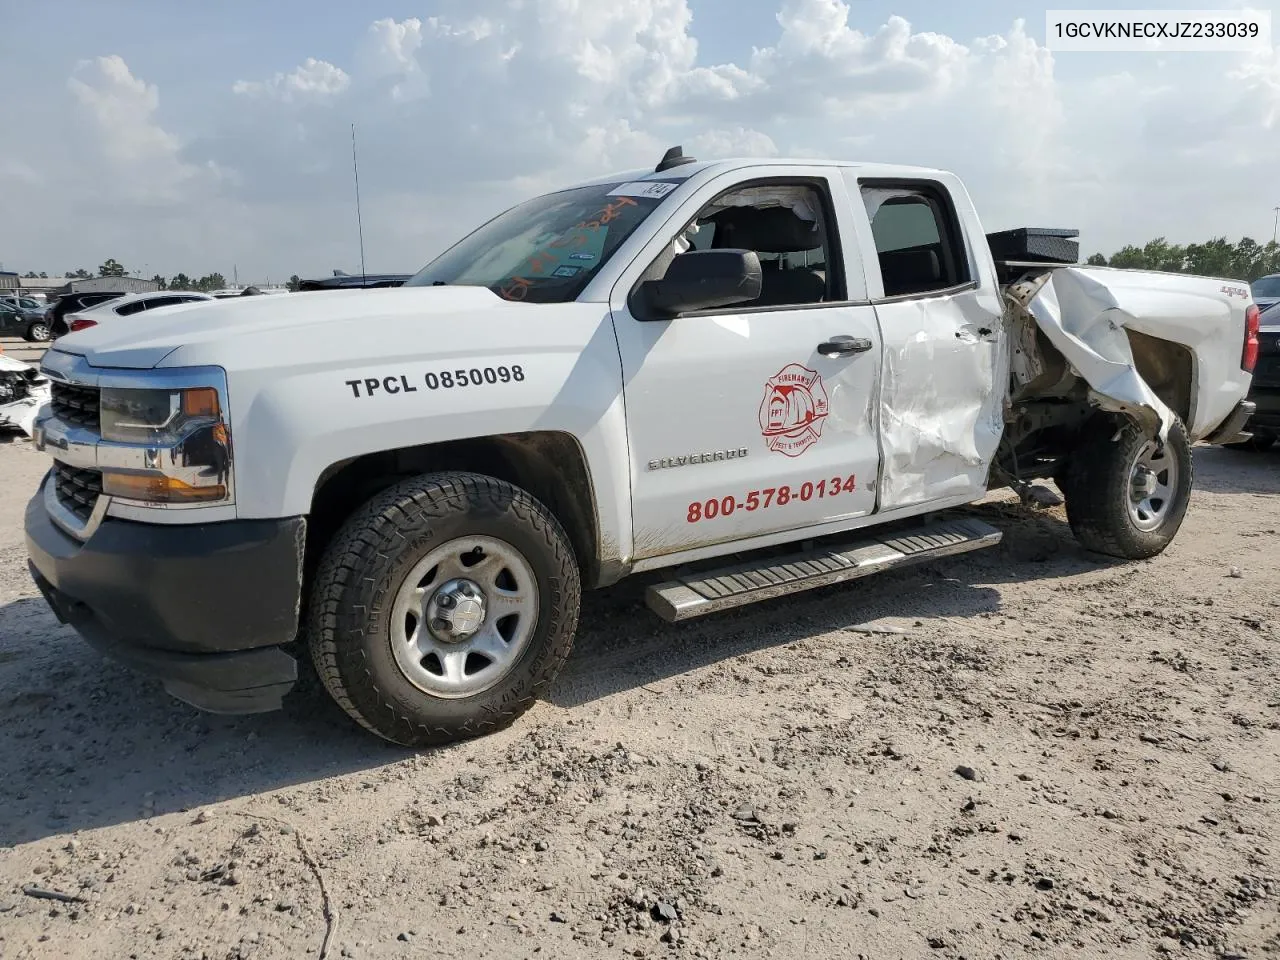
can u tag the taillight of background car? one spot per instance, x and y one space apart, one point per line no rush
1252 320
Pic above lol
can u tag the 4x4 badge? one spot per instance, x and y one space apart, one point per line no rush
794 406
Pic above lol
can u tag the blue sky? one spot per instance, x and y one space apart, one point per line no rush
192 136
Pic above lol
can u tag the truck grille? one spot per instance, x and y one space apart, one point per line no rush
78 490
75 404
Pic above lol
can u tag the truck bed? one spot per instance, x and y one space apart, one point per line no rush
1102 319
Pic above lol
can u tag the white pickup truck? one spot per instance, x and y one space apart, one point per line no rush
684 369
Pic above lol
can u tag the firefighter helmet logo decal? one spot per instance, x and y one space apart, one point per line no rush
794 406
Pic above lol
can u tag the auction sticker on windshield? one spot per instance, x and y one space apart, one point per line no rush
655 189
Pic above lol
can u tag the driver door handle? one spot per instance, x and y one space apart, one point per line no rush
844 346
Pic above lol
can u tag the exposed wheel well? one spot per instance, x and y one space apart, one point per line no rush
1167 368
549 465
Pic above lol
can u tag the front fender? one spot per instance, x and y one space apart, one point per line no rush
290 423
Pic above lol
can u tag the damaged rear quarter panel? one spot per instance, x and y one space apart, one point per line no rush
1085 313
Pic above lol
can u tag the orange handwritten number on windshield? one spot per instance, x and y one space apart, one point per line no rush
540 261
517 288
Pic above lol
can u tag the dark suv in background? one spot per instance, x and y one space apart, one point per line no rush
1264 392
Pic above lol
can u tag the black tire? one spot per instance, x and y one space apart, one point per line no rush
38 332
363 568
1258 443
1097 488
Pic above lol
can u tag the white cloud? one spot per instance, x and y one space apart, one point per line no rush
143 159
733 142
312 79
484 101
390 54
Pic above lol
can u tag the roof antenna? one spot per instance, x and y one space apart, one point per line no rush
359 222
673 158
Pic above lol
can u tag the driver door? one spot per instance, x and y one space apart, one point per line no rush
759 418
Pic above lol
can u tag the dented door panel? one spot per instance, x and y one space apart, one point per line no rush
941 397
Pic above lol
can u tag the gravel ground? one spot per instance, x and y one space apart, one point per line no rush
1029 751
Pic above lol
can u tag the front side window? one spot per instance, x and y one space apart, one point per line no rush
917 240
787 227
546 250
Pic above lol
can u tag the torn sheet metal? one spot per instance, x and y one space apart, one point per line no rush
1084 320
941 400
23 394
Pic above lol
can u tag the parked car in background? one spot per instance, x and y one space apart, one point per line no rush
26 303
130 304
1266 291
24 392
74 303
1264 391
18 321
367 281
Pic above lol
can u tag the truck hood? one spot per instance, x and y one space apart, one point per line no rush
216 331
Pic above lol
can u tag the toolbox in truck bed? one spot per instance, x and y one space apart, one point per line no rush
1036 244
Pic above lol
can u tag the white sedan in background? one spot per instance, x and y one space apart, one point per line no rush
129 305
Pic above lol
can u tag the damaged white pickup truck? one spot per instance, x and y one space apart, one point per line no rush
687 369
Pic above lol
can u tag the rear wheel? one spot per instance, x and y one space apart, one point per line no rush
443 608
1127 494
38 332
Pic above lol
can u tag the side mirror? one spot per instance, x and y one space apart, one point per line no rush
704 280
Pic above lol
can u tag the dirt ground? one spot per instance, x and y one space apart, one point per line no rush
1028 751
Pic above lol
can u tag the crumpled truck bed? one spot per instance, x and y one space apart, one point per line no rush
1087 312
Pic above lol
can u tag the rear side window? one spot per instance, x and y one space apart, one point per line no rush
127 309
917 238
158 302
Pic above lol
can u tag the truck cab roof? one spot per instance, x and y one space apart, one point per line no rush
687 171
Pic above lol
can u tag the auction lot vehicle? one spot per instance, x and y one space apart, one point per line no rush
1263 426
131 305
23 392
757 376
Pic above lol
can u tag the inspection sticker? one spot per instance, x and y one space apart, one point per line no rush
655 189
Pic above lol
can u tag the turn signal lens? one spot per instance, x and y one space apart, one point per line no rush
200 402
155 488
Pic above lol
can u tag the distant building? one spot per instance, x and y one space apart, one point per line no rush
31 286
8 281
106 285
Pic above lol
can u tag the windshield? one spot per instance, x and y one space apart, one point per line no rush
1266 287
546 250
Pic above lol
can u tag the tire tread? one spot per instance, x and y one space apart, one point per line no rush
1096 489
339 659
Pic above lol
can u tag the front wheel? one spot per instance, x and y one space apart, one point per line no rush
1127 494
38 332
443 608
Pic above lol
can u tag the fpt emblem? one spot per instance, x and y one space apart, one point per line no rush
794 406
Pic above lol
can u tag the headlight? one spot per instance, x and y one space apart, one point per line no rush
188 459
155 416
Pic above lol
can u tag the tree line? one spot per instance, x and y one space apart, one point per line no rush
1247 260
179 281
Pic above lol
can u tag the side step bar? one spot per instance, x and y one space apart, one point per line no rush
697 594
